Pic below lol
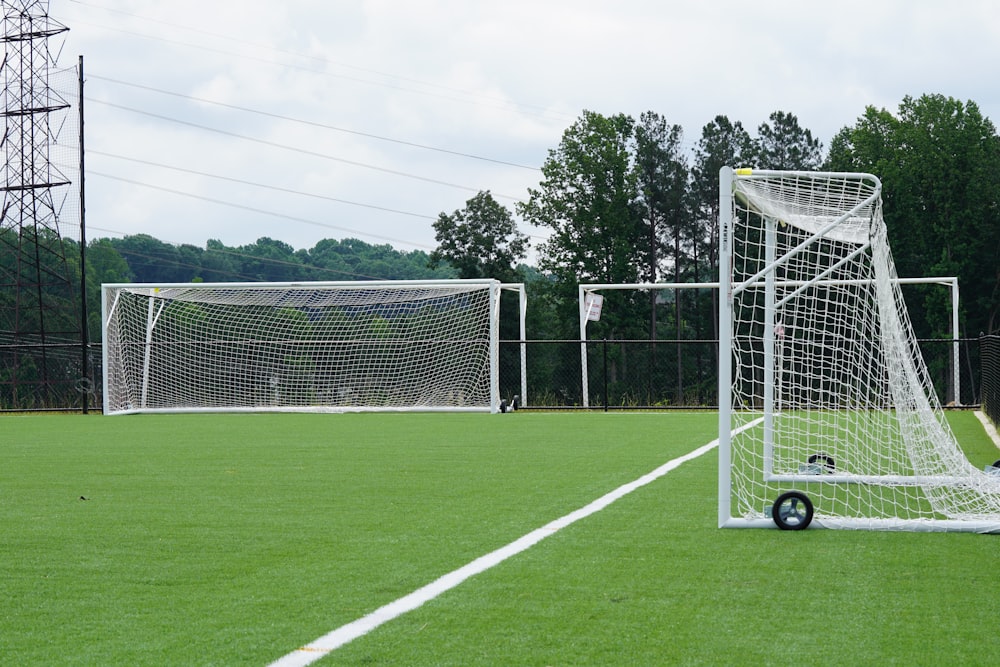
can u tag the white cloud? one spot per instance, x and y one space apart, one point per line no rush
497 80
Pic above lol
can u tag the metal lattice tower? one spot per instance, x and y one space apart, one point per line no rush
40 303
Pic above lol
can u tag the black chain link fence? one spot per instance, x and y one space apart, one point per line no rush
643 374
36 376
989 350
621 374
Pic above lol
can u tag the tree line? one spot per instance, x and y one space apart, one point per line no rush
622 200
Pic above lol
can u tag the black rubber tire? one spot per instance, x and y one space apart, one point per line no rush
996 464
792 511
825 460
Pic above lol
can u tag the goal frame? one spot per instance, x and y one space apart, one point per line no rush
493 286
587 289
767 410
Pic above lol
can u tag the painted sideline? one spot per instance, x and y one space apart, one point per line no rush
319 648
991 430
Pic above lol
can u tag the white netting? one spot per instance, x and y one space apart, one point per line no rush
823 351
304 346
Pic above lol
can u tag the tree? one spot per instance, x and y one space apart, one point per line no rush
588 198
939 162
783 144
104 265
722 143
662 176
152 260
480 241
270 260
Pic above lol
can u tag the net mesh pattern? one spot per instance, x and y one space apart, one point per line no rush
823 350
299 347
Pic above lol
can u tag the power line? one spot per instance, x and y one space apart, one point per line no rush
262 260
303 151
261 185
257 210
319 59
315 124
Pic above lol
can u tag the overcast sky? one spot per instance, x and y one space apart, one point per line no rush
308 119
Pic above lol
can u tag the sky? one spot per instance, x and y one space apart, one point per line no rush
303 120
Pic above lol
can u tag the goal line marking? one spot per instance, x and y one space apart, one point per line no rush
991 430
331 641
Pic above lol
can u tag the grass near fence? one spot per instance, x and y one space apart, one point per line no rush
233 539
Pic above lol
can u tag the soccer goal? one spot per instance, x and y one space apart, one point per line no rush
592 303
311 346
827 413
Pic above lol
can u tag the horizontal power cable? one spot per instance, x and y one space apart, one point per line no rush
303 151
276 188
242 255
310 123
252 209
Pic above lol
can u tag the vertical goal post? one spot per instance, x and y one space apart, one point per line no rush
404 345
827 414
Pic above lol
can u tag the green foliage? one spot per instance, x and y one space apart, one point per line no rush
783 144
662 180
588 199
480 241
939 162
267 260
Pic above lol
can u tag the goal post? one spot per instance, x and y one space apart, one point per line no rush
305 346
826 410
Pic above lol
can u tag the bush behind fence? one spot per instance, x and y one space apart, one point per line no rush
680 374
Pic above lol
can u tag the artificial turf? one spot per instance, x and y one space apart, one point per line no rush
233 539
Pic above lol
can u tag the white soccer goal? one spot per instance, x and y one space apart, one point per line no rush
589 312
311 346
827 413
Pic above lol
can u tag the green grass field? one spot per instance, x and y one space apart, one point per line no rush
234 539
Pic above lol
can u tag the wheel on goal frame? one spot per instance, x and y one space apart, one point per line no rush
792 511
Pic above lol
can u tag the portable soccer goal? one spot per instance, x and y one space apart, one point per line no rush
311 346
827 414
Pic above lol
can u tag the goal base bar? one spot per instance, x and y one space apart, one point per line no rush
323 409
907 525
925 481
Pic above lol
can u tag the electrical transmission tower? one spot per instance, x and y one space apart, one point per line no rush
42 336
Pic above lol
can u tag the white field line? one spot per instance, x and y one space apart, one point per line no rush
991 430
319 648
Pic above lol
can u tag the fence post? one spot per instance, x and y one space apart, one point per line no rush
605 347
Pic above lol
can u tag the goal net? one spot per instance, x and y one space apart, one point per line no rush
827 412
399 345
